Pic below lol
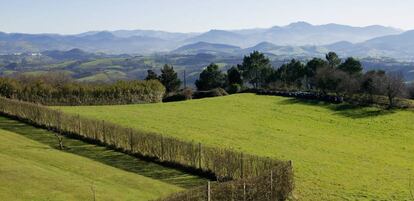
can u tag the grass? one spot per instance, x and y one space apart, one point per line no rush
31 168
339 152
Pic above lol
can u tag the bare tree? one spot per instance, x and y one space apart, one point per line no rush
60 140
394 87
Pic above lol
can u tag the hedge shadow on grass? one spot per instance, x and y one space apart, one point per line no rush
104 155
343 109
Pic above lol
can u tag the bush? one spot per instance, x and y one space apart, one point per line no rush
185 94
49 90
234 88
210 93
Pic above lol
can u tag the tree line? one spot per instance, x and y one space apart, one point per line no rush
60 89
331 75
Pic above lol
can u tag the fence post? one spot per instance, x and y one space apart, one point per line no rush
241 166
271 185
79 125
244 191
208 191
103 132
162 148
131 142
199 155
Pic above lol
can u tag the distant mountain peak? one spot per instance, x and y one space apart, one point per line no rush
299 24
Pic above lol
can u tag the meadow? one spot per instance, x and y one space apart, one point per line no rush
32 168
339 152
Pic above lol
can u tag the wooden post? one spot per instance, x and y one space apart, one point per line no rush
244 191
208 191
241 165
131 142
271 185
103 131
199 155
162 149
79 126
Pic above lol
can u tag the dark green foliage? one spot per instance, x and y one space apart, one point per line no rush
225 164
313 65
55 90
411 91
185 94
210 93
351 66
210 78
234 88
169 79
292 73
255 69
151 75
333 59
328 79
234 76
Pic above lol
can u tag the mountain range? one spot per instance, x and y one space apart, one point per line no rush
296 39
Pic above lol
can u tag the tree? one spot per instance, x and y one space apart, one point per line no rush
329 79
351 66
210 78
169 79
151 75
234 76
411 91
255 68
292 73
310 71
333 59
393 86
370 82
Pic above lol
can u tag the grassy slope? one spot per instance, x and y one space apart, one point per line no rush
30 170
338 152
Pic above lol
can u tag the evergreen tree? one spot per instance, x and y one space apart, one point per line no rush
333 59
169 79
151 75
210 78
351 66
234 76
256 67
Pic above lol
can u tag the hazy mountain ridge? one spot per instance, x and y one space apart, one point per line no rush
299 38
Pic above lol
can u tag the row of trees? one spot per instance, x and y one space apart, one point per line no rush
325 76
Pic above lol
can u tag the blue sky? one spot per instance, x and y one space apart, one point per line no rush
75 16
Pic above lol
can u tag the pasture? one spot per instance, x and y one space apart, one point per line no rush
339 152
32 168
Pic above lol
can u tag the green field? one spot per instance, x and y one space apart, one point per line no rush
339 152
31 168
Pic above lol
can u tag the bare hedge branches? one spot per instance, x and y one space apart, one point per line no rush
245 171
45 90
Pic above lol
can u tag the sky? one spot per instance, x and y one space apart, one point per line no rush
76 16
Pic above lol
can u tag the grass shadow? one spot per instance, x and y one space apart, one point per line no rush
343 109
104 155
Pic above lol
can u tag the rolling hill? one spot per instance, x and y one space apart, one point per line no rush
371 147
31 168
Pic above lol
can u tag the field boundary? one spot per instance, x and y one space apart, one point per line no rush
239 174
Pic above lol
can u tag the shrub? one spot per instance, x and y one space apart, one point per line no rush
234 88
49 90
185 94
210 93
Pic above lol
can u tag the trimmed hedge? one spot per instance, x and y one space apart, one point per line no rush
224 164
